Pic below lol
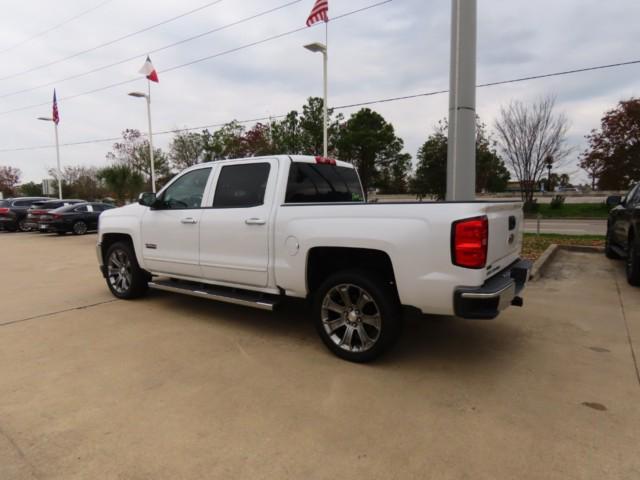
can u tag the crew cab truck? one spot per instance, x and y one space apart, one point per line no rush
253 231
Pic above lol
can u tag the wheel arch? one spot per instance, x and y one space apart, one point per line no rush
325 261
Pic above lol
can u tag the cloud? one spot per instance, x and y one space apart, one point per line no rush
397 49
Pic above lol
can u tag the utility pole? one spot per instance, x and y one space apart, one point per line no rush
461 157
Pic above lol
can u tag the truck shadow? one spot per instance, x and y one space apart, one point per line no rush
425 342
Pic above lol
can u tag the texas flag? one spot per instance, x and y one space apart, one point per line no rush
149 71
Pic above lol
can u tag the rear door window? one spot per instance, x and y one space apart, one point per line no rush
242 186
322 183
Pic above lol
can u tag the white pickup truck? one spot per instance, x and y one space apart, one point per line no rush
253 231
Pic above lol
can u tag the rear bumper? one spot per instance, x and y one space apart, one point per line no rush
499 292
8 223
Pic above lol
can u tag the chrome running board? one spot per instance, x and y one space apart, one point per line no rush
219 294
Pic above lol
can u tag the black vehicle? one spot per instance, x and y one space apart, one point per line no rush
78 218
623 232
13 212
40 208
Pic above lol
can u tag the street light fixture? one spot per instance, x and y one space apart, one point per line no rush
55 126
153 167
322 48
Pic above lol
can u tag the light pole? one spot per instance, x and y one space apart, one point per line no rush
461 156
55 127
153 167
549 162
322 48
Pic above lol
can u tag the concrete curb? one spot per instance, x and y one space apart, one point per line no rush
541 264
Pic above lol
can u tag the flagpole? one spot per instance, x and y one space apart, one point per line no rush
153 169
326 90
55 125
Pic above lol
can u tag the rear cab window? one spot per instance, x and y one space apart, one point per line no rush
323 183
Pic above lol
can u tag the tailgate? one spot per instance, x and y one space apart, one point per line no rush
505 231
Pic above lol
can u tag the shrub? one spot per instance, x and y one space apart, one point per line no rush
557 202
531 207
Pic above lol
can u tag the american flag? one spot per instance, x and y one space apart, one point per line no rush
319 12
55 114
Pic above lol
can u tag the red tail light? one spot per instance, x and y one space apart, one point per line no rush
4 211
38 212
469 242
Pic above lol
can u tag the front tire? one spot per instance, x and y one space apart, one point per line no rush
633 263
357 315
125 278
608 250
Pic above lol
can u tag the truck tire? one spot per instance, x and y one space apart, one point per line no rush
608 251
633 263
125 278
357 315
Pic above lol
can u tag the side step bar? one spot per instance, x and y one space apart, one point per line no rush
220 294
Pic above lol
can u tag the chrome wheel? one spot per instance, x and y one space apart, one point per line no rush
351 318
80 228
119 271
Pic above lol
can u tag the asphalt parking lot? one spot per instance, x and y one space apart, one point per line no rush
181 388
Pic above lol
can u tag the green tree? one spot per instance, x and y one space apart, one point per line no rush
9 179
369 142
30 189
302 134
133 151
186 149
122 181
612 157
431 172
79 182
226 142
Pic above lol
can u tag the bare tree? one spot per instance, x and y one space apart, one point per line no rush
528 135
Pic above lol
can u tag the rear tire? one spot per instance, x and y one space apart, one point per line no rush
633 263
80 228
22 227
357 315
125 278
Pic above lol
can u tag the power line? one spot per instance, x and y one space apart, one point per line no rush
111 42
55 27
343 107
202 59
150 52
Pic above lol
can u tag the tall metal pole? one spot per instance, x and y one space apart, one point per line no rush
461 159
325 57
55 127
153 167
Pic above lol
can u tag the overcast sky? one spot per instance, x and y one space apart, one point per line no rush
400 48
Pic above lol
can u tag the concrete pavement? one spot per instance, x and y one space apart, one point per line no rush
175 387
567 227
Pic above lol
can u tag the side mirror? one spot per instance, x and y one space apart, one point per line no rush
614 200
147 199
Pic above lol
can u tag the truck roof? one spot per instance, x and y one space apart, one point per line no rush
293 158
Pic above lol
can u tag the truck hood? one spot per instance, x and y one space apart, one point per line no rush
131 210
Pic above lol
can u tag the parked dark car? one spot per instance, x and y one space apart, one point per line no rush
78 219
623 232
40 208
13 212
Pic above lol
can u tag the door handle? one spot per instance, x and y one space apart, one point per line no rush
255 221
189 221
